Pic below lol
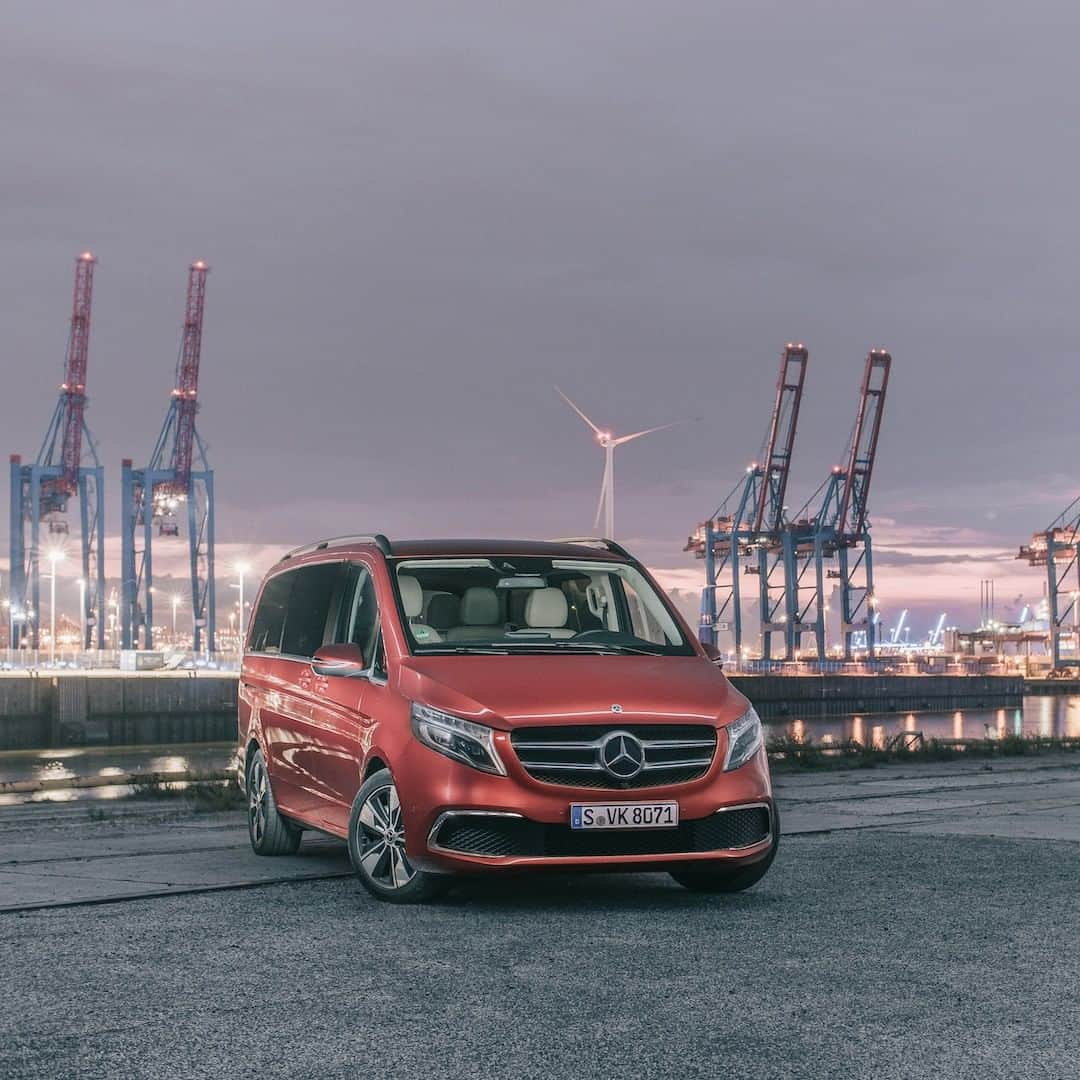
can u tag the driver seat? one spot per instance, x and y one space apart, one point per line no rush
547 609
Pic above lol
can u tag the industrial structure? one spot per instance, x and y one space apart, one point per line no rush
1057 548
834 545
66 467
745 534
176 487
795 561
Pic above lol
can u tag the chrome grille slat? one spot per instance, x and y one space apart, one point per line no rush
681 744
550 756
592 766
685 763
555 745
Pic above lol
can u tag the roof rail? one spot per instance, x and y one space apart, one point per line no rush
596 541
377 539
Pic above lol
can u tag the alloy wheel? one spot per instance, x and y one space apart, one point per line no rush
380 839
258 787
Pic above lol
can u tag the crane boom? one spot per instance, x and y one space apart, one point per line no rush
176 487
186 393
769 510
66 467
864 440
67 429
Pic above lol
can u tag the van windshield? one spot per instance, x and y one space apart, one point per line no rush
533 604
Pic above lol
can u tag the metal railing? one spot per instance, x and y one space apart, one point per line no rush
43 661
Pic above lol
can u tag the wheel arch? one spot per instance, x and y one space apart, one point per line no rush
374 762
249 753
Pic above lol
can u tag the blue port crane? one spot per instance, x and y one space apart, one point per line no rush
834 544
66 467
744 535
1057 548
177 486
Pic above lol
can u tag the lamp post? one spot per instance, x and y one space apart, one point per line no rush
114 618
54 557
242 568
82 614
175 605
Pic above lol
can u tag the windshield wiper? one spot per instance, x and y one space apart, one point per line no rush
451 650
582 646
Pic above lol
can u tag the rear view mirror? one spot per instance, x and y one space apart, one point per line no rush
522 581
712 652
340 660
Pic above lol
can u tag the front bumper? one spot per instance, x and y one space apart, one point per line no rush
732 831
460 819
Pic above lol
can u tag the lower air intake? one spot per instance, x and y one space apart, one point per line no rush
478 834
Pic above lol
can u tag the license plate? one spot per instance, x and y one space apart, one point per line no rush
655 815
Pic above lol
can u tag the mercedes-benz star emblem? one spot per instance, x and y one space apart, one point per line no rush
616 708
622 755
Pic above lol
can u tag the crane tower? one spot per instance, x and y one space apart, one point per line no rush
749 539
66 467
841 530
177 487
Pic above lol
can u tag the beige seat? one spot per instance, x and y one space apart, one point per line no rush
481 619
547 609
412 599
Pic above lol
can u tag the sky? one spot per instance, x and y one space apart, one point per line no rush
421 217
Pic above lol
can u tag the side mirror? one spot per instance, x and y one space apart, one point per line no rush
712 652
341 660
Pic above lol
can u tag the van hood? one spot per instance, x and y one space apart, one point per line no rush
521 691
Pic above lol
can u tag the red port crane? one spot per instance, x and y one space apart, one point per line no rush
40 491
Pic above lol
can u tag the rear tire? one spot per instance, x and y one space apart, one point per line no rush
377 846
716 877
269 832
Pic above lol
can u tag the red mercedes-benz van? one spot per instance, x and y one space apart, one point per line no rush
462 705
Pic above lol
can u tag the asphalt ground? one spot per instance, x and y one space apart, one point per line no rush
877 950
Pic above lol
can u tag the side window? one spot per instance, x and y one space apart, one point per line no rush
308 611
644 626
268 622
360 622
600 601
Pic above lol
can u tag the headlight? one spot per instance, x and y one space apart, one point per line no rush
744 739
462 740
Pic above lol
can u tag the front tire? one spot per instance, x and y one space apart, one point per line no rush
268 831
712 877
377 846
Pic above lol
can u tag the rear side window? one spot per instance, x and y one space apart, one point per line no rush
310 600
268 621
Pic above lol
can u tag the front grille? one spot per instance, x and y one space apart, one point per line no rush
570 756
481 834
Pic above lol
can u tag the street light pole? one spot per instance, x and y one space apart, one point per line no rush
241 570
82 614
175 603
54 558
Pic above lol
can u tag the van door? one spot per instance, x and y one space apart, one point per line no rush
295 753
267 688
342 721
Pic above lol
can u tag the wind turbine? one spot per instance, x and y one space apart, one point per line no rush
609 441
